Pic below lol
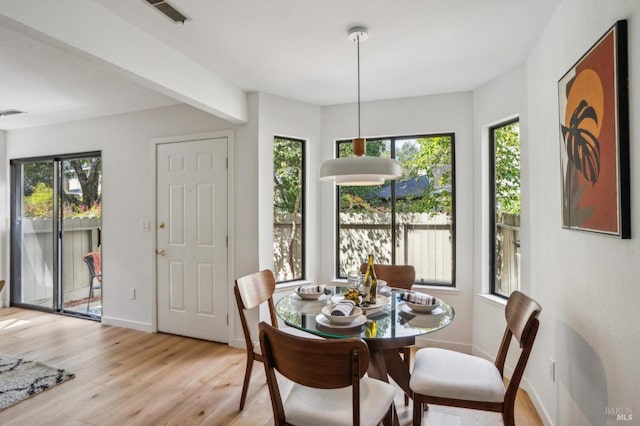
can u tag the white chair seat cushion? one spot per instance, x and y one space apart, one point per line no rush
450 374
289 330
321 407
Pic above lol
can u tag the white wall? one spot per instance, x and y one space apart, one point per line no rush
125 142
271 116
591 298
283 117
413 116
502 99
586 283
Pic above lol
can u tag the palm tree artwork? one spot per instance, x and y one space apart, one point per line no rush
590 148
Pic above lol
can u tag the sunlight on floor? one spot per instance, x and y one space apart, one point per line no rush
7 324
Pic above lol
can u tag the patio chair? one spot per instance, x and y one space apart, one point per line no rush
445 377
329 383
94 263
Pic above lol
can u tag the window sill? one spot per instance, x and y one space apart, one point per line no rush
436 289
292 284
493 300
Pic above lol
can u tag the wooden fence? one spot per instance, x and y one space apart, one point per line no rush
422 240
508 254
80 238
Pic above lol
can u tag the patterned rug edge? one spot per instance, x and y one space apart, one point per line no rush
21 379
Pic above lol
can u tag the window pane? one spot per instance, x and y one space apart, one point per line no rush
506 166
409 221
364 225
34 230
288 209
424 208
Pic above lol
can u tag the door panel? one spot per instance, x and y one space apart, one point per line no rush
192 228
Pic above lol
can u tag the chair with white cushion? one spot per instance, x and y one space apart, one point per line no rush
250 292
329 387
444 377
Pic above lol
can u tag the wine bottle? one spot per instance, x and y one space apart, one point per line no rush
371 282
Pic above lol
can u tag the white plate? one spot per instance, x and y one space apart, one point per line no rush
381 302
404 307
337 319
320 297
322 320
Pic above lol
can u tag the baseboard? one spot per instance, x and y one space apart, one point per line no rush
237 343
533 396
135 325
424 342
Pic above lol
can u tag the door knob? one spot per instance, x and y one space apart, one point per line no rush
160 252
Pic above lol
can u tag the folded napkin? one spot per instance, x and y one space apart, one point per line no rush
419 298
343 308
311 289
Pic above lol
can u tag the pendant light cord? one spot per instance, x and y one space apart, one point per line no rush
358 86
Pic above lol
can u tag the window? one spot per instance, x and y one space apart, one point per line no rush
409 221
504 170
288 208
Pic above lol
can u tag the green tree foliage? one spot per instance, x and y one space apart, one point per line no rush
39 204
362 198
507 173
432 158
38 192
35 173
88 173
287 201
287 176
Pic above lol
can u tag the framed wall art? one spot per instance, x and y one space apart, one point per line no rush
594 138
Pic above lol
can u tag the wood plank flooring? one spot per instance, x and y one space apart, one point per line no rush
128 377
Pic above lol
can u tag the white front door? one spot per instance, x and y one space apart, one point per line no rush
192 238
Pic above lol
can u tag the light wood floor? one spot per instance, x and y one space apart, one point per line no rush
128 377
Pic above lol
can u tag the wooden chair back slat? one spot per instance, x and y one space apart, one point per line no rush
398 276
256 288
322 364
520 312
318 363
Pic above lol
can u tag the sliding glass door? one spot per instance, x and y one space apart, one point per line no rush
56 233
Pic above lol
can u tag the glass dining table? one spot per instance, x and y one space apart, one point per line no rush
388 325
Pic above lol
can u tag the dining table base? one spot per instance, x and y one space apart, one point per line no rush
385 361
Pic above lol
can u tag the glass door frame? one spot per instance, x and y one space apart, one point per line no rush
16 216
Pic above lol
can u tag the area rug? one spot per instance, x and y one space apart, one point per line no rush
21 379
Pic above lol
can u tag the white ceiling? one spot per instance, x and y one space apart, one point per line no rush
297 49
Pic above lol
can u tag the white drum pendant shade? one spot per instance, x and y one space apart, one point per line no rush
360 171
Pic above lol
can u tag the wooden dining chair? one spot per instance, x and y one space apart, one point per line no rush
329 383
455 379
250 292
398 276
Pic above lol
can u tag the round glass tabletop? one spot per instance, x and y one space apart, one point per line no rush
390 318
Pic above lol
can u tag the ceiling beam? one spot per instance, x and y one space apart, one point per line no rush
100 36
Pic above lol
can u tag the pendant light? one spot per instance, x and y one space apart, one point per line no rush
359 170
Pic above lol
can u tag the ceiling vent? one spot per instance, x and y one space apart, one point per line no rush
10 112
167 10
